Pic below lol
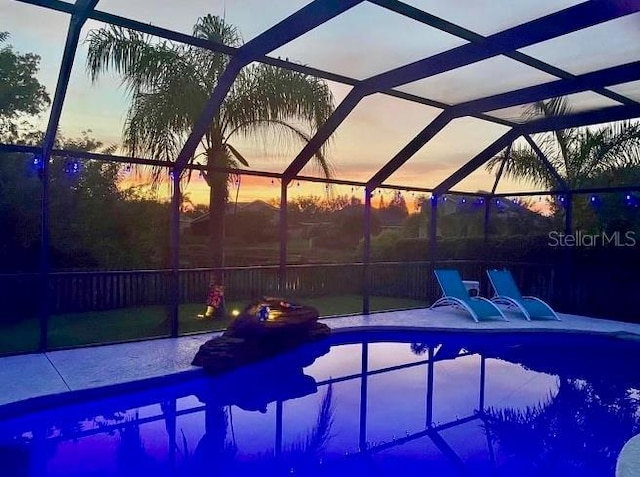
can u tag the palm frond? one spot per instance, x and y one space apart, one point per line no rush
284 136
523 162
216 29
237 155
137 58
579 155
265 94
320 435
564 137
612 147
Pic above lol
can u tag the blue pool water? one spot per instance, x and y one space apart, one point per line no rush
375 404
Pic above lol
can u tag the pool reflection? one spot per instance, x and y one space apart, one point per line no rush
377 403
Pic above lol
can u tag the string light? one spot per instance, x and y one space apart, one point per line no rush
37 163
71 166
631 200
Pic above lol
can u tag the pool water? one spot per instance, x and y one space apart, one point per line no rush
377 404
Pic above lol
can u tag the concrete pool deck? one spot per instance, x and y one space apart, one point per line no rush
36 376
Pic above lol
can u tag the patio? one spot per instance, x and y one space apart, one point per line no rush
89 372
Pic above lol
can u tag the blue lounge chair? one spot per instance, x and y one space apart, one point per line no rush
508 294
455 294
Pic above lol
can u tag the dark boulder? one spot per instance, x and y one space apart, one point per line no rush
263 329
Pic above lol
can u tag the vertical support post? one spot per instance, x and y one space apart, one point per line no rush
363 397
430 369
73 35
282 273
433 246
568 214
171 420
278 448
567 265
366 253
44 255
174 307
483 374
487 215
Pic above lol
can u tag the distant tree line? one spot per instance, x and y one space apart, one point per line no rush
93 222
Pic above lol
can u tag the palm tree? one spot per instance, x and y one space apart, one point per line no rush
581 156
579 431
169 84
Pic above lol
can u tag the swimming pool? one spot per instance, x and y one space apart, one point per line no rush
359 404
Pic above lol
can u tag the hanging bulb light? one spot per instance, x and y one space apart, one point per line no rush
71 166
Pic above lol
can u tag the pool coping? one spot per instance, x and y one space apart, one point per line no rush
345 325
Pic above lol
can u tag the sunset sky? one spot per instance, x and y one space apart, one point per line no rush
366 40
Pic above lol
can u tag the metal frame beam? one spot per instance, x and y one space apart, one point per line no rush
295 25
211 108
81 11
174 245
326 130
473 37
424 136
501 170
587 118
541 29
493 149
545 160
588 81
366 252
556 24
231 51
300 22
615 113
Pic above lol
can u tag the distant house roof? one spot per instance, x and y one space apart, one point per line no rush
234 207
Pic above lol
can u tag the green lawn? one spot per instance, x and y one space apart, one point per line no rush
78 329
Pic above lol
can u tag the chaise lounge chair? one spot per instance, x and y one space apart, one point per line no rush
508 294
455 294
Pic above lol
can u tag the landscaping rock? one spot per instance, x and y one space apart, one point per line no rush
263 329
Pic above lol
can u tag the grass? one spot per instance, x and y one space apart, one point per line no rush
79 329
